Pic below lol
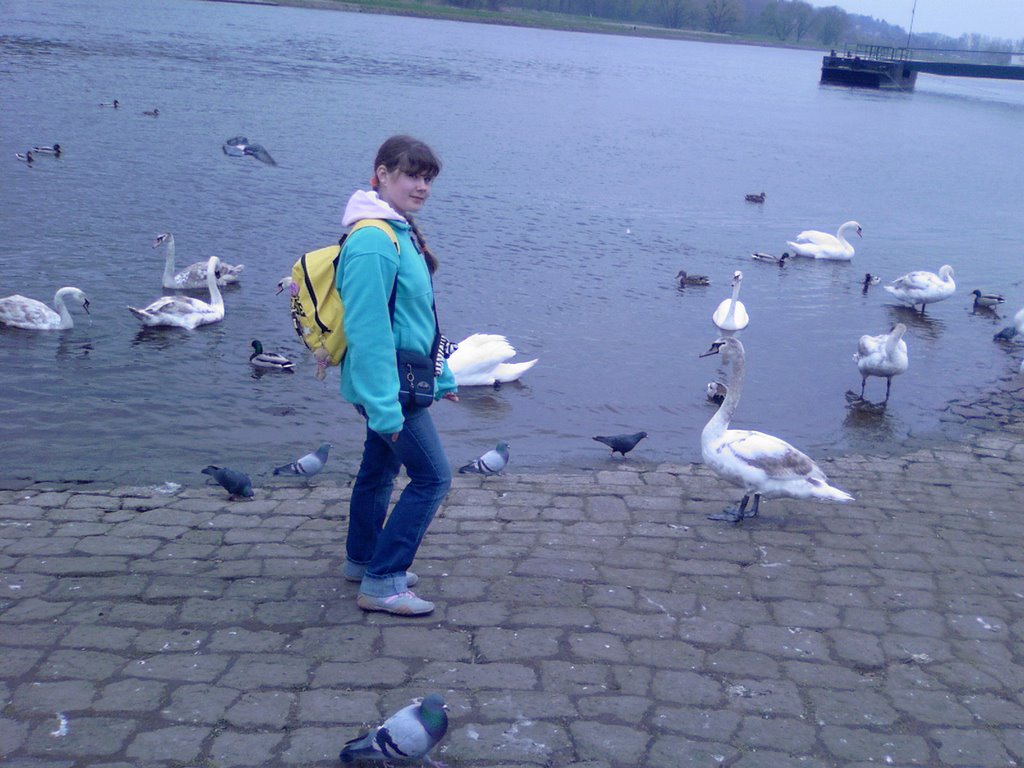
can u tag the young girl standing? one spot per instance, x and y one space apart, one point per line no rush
389 305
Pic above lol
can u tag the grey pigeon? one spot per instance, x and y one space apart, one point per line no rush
237 484
309 465
621 443
409 734
490 463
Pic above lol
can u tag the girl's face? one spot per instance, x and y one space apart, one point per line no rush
403 192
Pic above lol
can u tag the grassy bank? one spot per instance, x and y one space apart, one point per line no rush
519 17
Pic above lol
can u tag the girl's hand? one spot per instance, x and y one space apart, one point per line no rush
451 396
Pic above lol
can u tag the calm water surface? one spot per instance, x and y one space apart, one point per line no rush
581 172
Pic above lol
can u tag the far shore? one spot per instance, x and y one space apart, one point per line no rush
524 18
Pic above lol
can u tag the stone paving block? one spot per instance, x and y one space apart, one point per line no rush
136 696
496 644
879 747
314 746
787 642
180 743
337 706
680 752
596 740
259 671
372 674
851 708
261 709
80 738
183 667
80 664
206 704
462 676
61 695
12 736
789 735
230 749
969 747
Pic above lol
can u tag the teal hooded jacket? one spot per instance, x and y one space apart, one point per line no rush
367 270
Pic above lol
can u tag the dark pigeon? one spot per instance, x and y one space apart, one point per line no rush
621 443
237 484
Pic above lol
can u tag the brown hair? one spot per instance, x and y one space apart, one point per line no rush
415 158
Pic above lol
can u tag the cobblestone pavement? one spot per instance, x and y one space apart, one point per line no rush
596 620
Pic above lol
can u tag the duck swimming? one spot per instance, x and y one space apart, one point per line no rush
270 361
759 198
683 279
184 311
194 275
731 315
869 280
115 104
25 157
760 464
716 391
821 245
768 258
883 356
152 113
54 150
21 312
923 287
987 300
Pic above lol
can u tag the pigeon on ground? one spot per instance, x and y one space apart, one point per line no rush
621 443
237 484
407 735
308 465
490 463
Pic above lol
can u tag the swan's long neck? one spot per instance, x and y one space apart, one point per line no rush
211 282
169 262
719 423
731 313
892 341
62 310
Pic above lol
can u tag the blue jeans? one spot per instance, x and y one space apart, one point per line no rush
387 549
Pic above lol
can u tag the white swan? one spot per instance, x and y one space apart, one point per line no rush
184 311
760 464
884 355
481 359
194 275
821 245
20 312
731 315
922 287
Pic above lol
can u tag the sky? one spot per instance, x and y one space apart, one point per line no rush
994 18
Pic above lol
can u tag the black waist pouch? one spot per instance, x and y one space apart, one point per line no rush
415 379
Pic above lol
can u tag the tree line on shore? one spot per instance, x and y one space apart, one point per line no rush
782 21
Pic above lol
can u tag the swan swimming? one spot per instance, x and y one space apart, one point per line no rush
184 311
760 464
481 360
821 245
883 356
731 315
194 275
21 312
922 287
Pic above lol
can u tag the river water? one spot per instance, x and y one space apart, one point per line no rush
581 173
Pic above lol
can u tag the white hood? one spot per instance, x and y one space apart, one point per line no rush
368 205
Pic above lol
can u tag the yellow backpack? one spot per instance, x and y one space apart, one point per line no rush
317 312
